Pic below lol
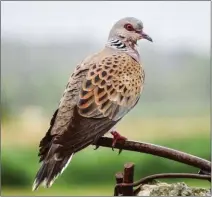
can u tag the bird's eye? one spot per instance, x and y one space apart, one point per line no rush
128 27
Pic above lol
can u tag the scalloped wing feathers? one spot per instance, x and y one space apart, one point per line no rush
111 88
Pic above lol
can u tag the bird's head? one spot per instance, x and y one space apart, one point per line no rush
129 29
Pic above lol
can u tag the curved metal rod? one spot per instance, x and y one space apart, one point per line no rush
166 175
158 151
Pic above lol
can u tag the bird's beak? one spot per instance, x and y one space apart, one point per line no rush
145 36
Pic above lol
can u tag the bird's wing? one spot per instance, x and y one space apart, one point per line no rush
99 93
111 88
63 116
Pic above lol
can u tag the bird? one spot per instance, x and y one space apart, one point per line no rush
103 88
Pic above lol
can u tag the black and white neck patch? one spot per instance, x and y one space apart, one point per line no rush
116 43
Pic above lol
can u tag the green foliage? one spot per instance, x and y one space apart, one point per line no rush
91 167
14 174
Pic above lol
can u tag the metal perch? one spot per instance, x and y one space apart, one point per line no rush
157 150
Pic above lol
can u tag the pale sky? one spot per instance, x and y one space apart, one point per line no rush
168 23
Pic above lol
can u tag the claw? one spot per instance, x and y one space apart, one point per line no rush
96 147
120 150
114 143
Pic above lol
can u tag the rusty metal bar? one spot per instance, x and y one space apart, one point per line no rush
170 175
128 178
158 151
124 182
162 175
119 179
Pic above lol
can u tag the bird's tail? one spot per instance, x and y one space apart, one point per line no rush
50 170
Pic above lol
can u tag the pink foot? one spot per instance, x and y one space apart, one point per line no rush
117 137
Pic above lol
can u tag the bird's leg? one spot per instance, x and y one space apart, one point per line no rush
117 137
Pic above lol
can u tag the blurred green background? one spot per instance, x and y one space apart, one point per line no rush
37 57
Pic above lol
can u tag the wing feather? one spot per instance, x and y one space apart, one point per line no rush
116 86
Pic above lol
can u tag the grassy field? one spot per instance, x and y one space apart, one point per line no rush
72 190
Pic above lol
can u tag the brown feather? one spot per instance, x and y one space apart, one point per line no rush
81 131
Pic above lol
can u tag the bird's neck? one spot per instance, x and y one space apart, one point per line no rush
125 46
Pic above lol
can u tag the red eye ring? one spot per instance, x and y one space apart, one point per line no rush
128 27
